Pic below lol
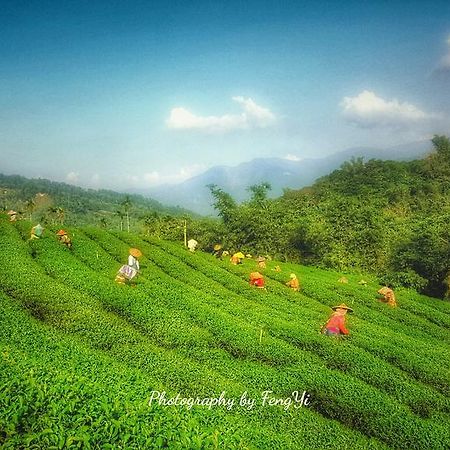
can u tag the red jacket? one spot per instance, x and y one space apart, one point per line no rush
336 323
256 279
258 282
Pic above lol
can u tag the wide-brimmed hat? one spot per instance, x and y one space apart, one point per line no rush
256 275
342 306
292 275
261 258
11 212
217 247
135 252
239 255
61 233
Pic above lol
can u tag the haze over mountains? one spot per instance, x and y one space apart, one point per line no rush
281 173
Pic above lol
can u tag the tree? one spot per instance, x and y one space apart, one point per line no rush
224 203
51 214
120 215
151 224
437 164
426 251
60 215
441 146
127 204
30 206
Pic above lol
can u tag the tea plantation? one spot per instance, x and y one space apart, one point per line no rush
81 356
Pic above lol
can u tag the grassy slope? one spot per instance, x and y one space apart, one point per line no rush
80 355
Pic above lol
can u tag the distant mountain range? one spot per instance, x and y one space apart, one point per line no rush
194 195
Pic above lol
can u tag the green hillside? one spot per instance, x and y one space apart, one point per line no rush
49 201
81 355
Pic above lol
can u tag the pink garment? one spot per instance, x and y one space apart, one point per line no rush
336 324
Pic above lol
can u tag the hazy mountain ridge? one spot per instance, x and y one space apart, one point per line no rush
281 173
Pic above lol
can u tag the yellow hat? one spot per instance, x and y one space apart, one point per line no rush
135 252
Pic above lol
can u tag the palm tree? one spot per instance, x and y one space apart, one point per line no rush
30 205
51 213
60 215
127 204
150 221
121 215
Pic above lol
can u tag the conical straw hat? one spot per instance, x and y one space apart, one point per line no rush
135 252
256 275
342 306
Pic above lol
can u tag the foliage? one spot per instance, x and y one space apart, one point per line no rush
80 206
80 354
387 217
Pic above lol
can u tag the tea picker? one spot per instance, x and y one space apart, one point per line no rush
237 258
293 283
36 232
388 296
335 325
12 215
129 271
217 251
256 279
64 238
192 245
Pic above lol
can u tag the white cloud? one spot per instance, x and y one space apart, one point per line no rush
133 179
252 116
95 178
72 177
152 177
369 111
291 157
156 178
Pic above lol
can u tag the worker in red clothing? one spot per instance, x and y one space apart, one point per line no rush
256 279
336 323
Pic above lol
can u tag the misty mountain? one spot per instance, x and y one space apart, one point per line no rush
281 173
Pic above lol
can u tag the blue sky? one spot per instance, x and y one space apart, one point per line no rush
123 94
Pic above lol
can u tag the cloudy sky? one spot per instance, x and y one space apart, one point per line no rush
123 94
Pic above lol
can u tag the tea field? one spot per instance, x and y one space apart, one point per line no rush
83 358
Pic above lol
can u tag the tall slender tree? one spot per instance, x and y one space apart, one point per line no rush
127 204
30 206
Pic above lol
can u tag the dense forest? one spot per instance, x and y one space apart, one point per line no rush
384 217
